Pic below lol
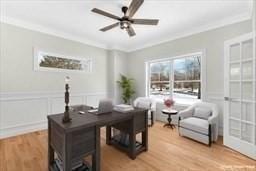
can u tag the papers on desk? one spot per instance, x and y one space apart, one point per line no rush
123 108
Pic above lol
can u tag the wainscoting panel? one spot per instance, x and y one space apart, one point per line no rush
93 100
18 112
58 104
27 112
218 98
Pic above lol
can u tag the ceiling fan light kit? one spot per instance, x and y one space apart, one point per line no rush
126 21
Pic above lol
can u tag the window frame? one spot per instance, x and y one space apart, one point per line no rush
200 53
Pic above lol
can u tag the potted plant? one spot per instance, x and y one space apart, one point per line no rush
127 88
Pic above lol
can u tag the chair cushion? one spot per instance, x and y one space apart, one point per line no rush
202 112
144 104
195 124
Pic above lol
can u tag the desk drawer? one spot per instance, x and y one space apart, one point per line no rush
83 141
123 126
57 138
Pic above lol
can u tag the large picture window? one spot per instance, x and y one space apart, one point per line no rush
178 77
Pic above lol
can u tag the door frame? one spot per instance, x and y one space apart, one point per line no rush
237 144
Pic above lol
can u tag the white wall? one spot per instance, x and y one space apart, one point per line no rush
28 96
254 16
17 74
211 41
120 68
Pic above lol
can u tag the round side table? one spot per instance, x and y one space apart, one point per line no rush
169 112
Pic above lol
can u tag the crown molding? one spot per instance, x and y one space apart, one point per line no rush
50 31
193 31
61 34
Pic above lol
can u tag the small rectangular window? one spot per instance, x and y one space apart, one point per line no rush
46 61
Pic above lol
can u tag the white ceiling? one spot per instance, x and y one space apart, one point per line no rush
74 20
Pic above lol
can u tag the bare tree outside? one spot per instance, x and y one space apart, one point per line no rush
62 63
160 78
187 75
187 78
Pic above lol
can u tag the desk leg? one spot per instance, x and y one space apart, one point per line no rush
152 118
132 149
108 135
66 165
50 149
96 156
145 133
145 139
132 143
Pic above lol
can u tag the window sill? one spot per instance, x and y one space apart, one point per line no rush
178 102
186 102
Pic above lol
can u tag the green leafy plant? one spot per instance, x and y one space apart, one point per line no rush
127 88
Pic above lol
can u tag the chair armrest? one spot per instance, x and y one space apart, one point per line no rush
214 122
186 113
213 119
215 113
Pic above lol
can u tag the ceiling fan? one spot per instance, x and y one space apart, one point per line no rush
126 21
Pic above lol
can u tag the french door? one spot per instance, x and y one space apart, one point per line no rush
239 105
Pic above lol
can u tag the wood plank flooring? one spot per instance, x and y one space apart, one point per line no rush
167 152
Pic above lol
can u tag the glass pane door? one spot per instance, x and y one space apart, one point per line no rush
240 119
248 97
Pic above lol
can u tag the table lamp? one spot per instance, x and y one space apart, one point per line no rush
66 118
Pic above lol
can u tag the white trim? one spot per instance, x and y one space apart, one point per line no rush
237 143
53 32
204 28
203 74
215 96
15 126
147 73
22 129
38 95
37 67
198 52
201 53
58 33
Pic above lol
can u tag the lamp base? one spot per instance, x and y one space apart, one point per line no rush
66 118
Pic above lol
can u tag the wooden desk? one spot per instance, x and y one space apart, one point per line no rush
81 137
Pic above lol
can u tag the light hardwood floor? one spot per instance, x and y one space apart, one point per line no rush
167 152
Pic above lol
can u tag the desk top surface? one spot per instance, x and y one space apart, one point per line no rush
89 119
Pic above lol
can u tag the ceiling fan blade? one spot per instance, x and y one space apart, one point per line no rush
109 27
145 21
130 31
134 6
106 14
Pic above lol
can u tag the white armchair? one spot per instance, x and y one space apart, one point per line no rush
199 122
146 103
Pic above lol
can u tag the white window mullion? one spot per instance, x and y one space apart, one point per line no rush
170 64
171 78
